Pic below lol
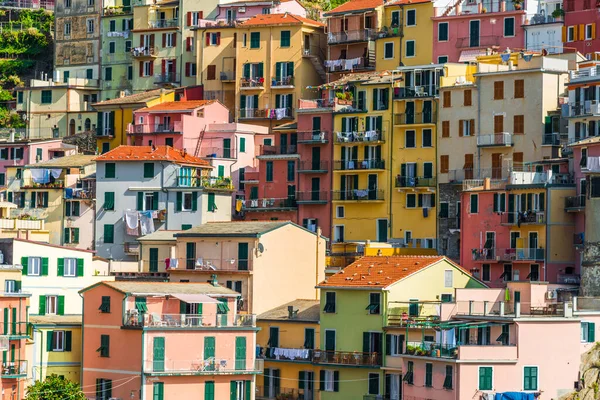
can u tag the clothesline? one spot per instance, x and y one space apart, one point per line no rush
139 222
347 64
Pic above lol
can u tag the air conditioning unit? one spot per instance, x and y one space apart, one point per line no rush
551 294
242 9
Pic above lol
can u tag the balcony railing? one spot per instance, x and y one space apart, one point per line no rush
14 369
29 183
217 152
589 107
585 73
415 243
213 264
415 181
496 139
524 218
431 349
291 354
312 197
277 392
311 104
163 23
249 83
169 77
568 279
227 76
355 64
141 129
358 195
146 51
475 42
210 366
21 224
313 137
416 118
313 166
538 19
360 137
350 106
104 132
256 113
285 81
410 92
551 139
269 204
406 314
266 150
346 357
575 203
499 254
209 182
353 165
135 319
117 10
351 36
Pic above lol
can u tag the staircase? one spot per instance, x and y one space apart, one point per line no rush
451 7
199 143
318 64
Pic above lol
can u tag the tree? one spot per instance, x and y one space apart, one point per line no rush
54 387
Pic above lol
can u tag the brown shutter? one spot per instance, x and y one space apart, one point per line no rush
445 129
472 127
468 167
519 89
496 165
519 124
460 128
499 90
498 123
141 68
444 164
447 99
467 97
152 40
518 161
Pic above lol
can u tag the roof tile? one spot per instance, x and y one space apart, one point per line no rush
355 5
178 105
148 153
134 98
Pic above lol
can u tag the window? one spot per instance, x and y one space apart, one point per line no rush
105 305
474 204
148 170
72 208
285 39
187 200
588 332
339 212
58 340
329 381
244 40
51 304
34 265
411 200
519 124
571 34
444 211
373 383
12 286
108 74
129 77
485 378
442 59
583 162
388 50
428 374
410 140
530 378
519 88
169 40
410 48
109 233
103 389
589 32
427 138
409 376
374 306
46 96
485 272
291 171
255 40
269 171
509 26
448 378
109 201
309 338
445 129
147 68
499 90
90 25
447 101
70 266
467 98
110 170
147 201
67 29
448 278
19 97
443 32
499 202
329 302
266 10
104 348
67 3
411 17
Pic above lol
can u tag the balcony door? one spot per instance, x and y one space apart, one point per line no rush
372 186
315 187
410 112
372 342
307 383
533 243
316 158
427 115
474 33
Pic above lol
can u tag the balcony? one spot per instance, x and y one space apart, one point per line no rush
14 369
406 313
312 197
574 203
116 10
210 366
227 76
312 137
281 150
252 83
213 264
276 392
354 64
360 35
586 74
131 248
163 23
358 195
105 132
286 204
30 183
286 82
476 42
373 136
350 358
313 167
416 118
415 181
288 354
349 106
539 19
217 152
503 139
568 279
143 52
507 255
205 182
256 113
415 243
310 105
197 321
166 78
411 92
475 177
150 129
21 224
356 165
250 177
551 139
523 218
589 107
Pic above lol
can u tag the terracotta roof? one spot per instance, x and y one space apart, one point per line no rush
178 106
74 319
234 228
405 2
306 311
280 19
134 98
158 288
381 272
147 153
355 5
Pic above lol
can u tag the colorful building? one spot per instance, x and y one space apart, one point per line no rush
545 27
249 257
287 338
167 341
579 30
354 304
237 11
19 151
582 108
116 43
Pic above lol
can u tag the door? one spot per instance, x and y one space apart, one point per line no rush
427 112
410 112
291 197
283 143
226 148
372 187
307 44
474 34
329 340
315 187
316 158
158 354
309 378
490 245
511 209
72 127
153 260
533 244
382 230
242 256
497 165
240 353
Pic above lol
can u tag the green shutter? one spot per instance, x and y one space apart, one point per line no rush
240 353
5 321
278 71
209 390
68 340
110 170
336 381
42 306
158 391
155 201
179 203
375 91
246 72
80 266
32 200
591 332
140 201
148 170
99 121
24 262
233 390
158 354
61 262
61 305
248 386
221 171
212 205
49 340
242 145
109 200
75 205
209 347
45 199
301 377
290 69
111 122
285 39
44 266
109 233
261 69
194 202
75 238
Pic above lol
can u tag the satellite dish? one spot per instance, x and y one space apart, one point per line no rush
261 248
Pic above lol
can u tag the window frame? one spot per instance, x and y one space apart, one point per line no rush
72 264
414 133
385 48
329 310
479 379
471 197
373 308
58 337
513 27
537 378
185 195
447 32
89 23
430 137
414 49
414 196
39 266
570 33
590 27
50 303
414 11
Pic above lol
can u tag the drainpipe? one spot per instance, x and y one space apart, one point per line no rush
401 30
317 264
391 158
162 189
82 343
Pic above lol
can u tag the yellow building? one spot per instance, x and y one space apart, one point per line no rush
115 115
287 337
277 58
406 36
362 132
57 349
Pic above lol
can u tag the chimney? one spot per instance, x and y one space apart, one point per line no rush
291 312
213 280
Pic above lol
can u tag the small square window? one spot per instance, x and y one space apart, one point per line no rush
34 265
442 59
51 304
339 212
70 266
186 204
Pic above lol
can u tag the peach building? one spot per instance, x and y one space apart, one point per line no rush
165 340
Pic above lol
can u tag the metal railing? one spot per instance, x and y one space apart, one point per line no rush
213 264
282 81
416 118
312 196
267 150
133 318
496 139
523 218
415 181
163 23
250 113
588 107
407 313
575 202
277 392
227 76
29 183
14 369
350 36
358 195
169 77
312 137
481 41
585 73
415 243
551 139
409 92
313 166
173 127
349 65
145 51
350 106
246 83
353 165
500 254
117 10
284 353
359 136
568 279
21 224
217 152
431 349
209 366
269 204
211 182
346 357
310 104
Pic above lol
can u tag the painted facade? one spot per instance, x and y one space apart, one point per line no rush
579 31
544 31
22 151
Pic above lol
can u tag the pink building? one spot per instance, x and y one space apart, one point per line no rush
243 10
17 152
579 31
493 341
167 341
179 124
465 30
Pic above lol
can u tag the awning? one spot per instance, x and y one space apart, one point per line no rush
471 55
7 204
195 298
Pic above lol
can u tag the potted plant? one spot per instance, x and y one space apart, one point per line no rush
518 4
410 349
558 13
484 10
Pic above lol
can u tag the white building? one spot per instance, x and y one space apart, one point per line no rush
544 31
